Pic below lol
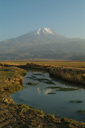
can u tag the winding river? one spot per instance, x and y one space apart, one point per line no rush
51 96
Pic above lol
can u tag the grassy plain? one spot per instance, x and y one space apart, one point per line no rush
52 63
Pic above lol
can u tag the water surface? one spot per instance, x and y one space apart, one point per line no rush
40 96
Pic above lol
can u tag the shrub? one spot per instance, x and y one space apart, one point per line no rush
3 66
21 81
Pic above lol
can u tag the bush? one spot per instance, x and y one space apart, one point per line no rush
21 81
3 66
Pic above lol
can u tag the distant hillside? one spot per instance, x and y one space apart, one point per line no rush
79 58
42 43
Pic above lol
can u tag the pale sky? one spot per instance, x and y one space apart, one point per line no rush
18 17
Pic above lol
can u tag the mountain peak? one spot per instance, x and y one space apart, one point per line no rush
45 31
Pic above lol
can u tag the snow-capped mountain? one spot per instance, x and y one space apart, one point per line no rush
41 36
42 43
46 31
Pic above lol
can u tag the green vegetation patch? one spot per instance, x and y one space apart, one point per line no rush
77 101
49 82
61 89
51 116
45 80
39 74
72 101
81 112
30 83
51 93
66 89
22 108
35 111
31 77
42 79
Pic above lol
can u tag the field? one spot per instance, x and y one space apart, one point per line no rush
54 63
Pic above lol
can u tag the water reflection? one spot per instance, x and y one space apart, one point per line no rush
39 96
44 91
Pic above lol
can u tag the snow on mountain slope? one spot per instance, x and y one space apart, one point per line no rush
46 31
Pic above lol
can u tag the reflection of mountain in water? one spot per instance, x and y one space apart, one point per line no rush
43 91
41 79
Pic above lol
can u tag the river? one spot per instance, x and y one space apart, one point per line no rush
51 96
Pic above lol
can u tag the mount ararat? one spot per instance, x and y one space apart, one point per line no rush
42 44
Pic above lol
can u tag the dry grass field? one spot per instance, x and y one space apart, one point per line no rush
52 63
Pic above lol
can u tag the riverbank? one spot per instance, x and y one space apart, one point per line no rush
19 115
70 74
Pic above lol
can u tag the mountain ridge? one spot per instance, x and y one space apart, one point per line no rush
42 43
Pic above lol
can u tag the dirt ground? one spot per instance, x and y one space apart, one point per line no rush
14 115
